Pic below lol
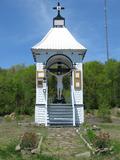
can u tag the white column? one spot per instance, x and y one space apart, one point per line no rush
79 107
41 95
79 92
72 93
40 98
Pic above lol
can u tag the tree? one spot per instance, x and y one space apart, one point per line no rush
92 81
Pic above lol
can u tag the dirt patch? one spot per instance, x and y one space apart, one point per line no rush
63 142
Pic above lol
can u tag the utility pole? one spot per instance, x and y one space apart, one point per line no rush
106 29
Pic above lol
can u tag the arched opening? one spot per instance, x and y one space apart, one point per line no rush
59 78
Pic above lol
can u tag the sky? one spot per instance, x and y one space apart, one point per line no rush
23 23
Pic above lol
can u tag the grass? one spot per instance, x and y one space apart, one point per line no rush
58 143
113 129
11 130
9 153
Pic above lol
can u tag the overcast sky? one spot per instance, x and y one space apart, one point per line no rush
23 23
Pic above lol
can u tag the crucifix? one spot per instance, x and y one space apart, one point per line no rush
59 74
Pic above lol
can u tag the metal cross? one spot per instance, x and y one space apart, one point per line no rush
58 8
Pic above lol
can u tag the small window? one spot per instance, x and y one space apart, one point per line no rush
40 83
77 80
40 74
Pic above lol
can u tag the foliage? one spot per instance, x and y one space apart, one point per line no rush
101 87
91 136
101 83
17 90
52 86
116 146
104 113
92 81
102 141
9 153
29 140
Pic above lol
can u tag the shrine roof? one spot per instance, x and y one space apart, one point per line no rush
59 39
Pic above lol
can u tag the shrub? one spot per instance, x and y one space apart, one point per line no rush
104 113
29 141
102 141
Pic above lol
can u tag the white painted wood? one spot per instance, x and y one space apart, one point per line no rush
72 93
40 108
59 39
79 93
46 99
79 111
40 96
40 114
78 97
39 66
73 55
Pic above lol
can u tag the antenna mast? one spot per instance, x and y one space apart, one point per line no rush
106 29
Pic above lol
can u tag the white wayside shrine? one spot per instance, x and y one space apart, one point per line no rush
59 55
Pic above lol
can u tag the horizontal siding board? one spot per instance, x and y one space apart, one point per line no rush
40 114
79 114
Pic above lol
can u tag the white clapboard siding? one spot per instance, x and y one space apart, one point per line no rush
78 97
40 114
79 114
40 96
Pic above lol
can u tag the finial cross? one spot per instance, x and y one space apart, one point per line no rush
58 8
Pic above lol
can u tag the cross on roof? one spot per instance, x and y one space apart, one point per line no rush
58 8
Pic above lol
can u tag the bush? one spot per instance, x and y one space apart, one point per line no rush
102 141
104 113
29 141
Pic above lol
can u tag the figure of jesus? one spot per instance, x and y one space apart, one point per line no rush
59 78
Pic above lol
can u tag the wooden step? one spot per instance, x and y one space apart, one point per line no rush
59 106
60 114
60 111
60 123
61 119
